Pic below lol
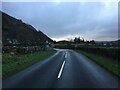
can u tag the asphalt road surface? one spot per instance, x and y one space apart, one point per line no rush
65 69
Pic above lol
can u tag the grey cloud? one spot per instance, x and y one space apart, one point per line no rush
95 20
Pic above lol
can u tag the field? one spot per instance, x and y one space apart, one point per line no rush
12 64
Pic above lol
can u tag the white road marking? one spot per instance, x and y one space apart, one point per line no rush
65 55
59 75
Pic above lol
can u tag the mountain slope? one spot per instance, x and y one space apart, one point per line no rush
16 32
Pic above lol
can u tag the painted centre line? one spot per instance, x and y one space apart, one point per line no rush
59 75
65 55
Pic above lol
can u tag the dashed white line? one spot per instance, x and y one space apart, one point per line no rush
65 55
59 75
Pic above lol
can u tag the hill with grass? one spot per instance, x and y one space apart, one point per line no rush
17 33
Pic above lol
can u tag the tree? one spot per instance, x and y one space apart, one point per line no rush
78 40
75 40
82 40
92 42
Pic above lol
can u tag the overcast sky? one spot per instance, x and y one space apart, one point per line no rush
63 20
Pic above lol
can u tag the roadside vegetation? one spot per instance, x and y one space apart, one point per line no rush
13 63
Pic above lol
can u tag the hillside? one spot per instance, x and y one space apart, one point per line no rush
16 32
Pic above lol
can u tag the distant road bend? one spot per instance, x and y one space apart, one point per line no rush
65 69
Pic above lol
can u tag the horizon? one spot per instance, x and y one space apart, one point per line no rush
68 26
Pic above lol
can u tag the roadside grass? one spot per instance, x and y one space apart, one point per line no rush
13 64
108 63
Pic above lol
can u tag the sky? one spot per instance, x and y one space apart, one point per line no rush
65 20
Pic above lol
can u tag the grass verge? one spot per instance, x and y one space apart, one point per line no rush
109 64
13 64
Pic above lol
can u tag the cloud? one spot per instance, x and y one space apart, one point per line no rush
63 20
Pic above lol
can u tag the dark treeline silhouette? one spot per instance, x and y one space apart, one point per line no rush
76 40
82 41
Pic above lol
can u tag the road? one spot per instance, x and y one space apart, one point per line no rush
65 69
